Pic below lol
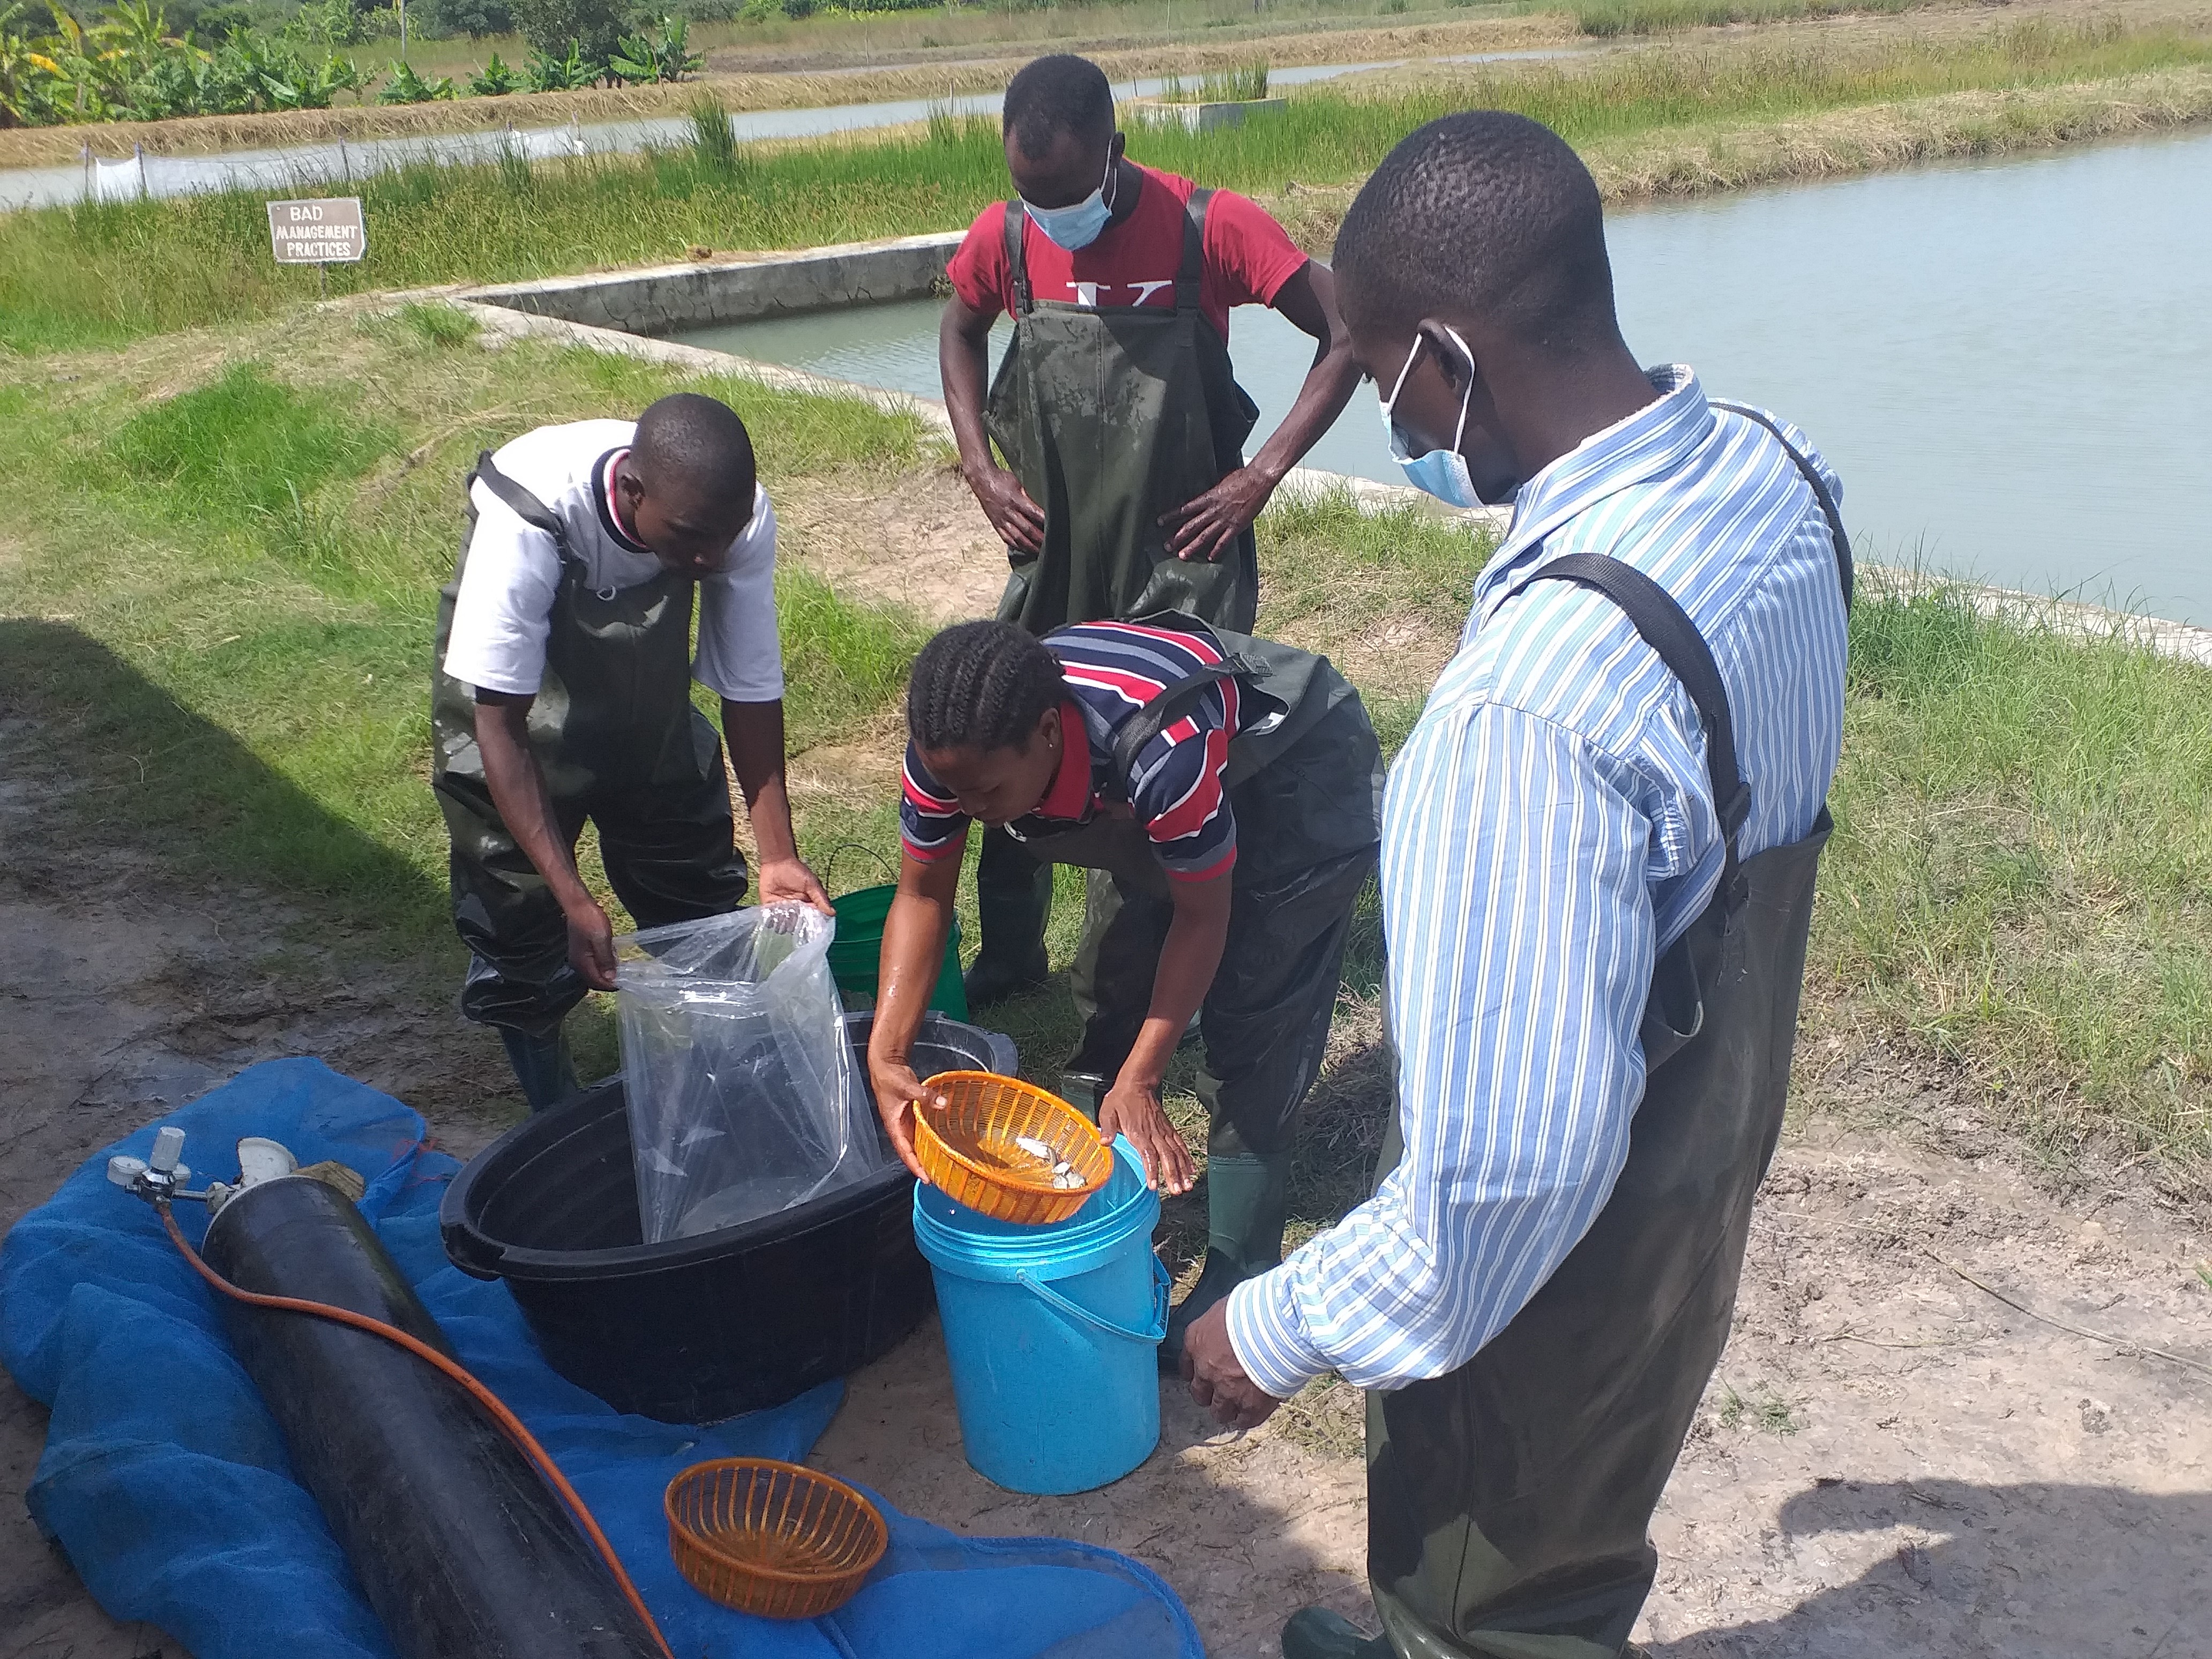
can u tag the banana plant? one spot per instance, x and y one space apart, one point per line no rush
495 79
140 30
405 86
29 77
316 84
641 58
92 68
547 73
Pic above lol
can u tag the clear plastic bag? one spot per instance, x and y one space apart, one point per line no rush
744 1097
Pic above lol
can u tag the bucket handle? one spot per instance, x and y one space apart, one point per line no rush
829 865
1077 1311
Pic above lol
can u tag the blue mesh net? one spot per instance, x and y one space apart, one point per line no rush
165 1482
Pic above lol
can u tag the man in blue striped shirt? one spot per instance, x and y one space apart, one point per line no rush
1598 851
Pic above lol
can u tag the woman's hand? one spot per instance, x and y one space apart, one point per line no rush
1133 1109
896 1090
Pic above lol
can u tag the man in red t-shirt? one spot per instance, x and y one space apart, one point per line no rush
1125 489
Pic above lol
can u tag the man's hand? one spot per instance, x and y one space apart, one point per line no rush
896 1090
1204 528
788 880
1018 520
1133 1109
1217 1378
591 944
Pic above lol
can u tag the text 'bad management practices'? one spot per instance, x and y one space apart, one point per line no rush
329 231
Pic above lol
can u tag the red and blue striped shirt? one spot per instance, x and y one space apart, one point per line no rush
1113 670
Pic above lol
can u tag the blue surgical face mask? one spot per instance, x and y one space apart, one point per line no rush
1441 472
1077 227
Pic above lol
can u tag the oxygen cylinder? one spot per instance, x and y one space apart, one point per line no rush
462 1549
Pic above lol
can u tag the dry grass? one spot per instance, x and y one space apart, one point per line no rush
208 134
1953 125
739 92
1328 1416
1709 156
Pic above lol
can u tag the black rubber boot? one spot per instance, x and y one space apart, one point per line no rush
1013 901
1317 1633
1219 1276
1085 1091
543 1067
1246 1196
994 979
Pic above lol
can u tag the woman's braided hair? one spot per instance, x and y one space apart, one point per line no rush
981 686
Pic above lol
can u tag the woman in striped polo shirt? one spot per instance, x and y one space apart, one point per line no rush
1230 787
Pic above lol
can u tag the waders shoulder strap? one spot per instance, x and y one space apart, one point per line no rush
1821 494
524 505
1193 249
1667 630
1016 267
1148 722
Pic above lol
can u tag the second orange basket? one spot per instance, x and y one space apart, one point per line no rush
771 1538
1006 1149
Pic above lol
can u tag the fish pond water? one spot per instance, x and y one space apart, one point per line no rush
2010 363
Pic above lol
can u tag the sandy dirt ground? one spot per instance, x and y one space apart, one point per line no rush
123 994
924 544
1894 1460
1891 1461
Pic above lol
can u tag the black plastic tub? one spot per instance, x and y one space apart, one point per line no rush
696 1329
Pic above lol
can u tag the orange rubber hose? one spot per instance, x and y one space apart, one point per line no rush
493 1406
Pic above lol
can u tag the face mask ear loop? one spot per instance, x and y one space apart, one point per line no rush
1112 179
1390 404
1466 398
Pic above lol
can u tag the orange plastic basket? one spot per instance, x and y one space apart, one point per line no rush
966 1128
772 1539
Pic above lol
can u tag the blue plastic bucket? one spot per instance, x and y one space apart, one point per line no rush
1053 1334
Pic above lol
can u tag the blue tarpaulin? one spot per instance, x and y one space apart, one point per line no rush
164 1479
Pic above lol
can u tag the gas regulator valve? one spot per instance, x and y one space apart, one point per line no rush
161 1178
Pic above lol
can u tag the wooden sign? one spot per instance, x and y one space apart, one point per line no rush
329 231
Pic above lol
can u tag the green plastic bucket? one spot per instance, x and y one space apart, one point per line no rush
856 951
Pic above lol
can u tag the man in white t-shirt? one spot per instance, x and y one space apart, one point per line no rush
563 693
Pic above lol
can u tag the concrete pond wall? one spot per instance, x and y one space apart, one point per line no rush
665 297
1196 117
622 312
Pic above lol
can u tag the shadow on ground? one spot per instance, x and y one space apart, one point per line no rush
125 767
2133 1578
165 922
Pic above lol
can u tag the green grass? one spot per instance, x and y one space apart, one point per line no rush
101 274
2021 878
244 445
1242 84
1606 18
220 603
226 596
1321 557
1762 1409
844 662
